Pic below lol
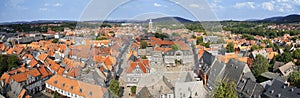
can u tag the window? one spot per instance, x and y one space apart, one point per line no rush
55 82
72 87
63 84
80 90
91 93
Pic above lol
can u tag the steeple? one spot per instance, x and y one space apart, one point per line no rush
150 29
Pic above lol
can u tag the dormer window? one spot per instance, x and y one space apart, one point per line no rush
80 90
63 84
91 93
55 82
72 87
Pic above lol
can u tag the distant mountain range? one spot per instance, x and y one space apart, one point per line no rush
284 19
280 19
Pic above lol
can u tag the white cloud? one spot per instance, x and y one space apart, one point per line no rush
156 4
16 4
57 4
268 5
285 7
194 6
297 1
43 9
245 4
215 6
282 0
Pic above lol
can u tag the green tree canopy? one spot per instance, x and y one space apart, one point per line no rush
255 47
114 87
55 40
296 54
295 79
225 90
133 89
199 40
284 57
143 45
206 45
260 65
230 47
175 47
13 61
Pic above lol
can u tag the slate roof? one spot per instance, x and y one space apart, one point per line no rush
248 88
216 73
208 58
144 93
279 89
234 70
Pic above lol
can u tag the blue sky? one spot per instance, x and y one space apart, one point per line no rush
28 10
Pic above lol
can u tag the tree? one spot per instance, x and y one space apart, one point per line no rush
12 61
3 64
56 95
285 57
193 36
255 47
295 79
225 90
144 57
133 89
230 47
55 40
114 87
199 40
143 45
175 47
296 54
206 45
260 65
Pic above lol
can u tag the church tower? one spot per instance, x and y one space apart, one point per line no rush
150 28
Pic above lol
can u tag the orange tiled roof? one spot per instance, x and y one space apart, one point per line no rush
141 63
43 56
34 72
44 71
60 71
19 77
33 62
53 66
5 77
22 93
77 87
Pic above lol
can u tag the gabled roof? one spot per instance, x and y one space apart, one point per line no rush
44 72
77 87
234 70
33 62
5 77
208 58
34 73
19 77
287 68
142 64
279 89
42 56
144 93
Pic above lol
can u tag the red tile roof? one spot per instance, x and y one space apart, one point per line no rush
33 62
143 64
43 56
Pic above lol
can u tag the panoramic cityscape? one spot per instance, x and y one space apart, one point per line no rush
150 49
